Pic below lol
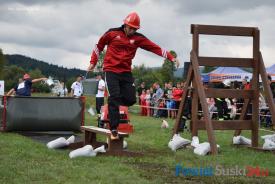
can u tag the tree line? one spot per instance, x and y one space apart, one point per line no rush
12 67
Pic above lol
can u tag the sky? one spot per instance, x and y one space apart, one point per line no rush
64 32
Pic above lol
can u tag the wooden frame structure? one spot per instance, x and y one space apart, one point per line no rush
199 94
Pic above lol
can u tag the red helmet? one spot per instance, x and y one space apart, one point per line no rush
26 76
132 20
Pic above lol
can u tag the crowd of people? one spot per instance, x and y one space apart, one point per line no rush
164 102
160 102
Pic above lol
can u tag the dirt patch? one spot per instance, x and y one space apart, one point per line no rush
152 171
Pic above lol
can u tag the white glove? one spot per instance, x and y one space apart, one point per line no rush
177 62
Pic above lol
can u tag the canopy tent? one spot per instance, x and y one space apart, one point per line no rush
232 73
271 70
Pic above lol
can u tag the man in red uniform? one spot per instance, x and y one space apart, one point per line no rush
122 43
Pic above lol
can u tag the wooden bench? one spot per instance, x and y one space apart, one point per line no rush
114 147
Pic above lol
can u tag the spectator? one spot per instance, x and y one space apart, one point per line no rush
23 88
157 97
170 103
100 93
143 103
162 105
177 94
147 101
246 86
77 88
139 90
62 90
151 101
221 104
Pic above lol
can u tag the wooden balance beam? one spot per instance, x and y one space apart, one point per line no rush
114 147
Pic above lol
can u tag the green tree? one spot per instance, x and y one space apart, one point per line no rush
11 74
208 69
168 68
2 63
39 87
69 83
139 72
99 65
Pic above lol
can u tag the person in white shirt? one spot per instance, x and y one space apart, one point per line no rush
100 93
62 91
77 88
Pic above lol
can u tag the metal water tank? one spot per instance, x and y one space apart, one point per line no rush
89 87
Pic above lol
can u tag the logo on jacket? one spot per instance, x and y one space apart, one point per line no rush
132 41
117 37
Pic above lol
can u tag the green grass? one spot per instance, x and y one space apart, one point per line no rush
23 160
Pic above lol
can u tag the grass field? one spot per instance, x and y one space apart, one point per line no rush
23 160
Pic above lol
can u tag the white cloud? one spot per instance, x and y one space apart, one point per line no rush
65 32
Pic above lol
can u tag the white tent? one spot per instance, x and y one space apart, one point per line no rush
271 71
232 73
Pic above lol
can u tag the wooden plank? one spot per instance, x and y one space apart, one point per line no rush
195 98
229 93
116 145
243 115
195 41
194 114
202 97
183 100
101 131
223 30
267 90
226 62
227 125
255 87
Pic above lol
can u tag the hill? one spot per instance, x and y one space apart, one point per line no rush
27 63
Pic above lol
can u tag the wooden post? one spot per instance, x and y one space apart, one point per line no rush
202 97
255 87
267 90
194 115
183 100
252 95
243 115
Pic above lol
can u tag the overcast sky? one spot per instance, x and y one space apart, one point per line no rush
64 32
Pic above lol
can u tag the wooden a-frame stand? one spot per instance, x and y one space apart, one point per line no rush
199 94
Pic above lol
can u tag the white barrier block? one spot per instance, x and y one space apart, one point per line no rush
236 139
195 141
86 151
241 140
177 142
164 124
245 140
58 143
268 145
100 149
203 148
125 144
71 139
270 137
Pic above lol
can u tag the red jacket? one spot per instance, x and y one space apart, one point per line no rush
122 49
177 94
